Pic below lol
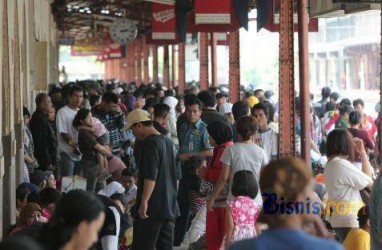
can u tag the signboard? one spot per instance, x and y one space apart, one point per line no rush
84 50
273 20
163 26
66 41
213 16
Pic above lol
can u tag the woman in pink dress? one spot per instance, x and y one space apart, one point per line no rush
242 211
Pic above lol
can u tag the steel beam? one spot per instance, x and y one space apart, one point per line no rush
234 66
131 63
155 63
304 79
181 68
214 59
138 61
287 145
203 60
166 67
146 77
173 68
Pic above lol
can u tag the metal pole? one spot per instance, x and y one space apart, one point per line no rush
234 66
181 68
155 63
173 68
304 79
145 48
287 144
214 60
203 59
380 94
166 67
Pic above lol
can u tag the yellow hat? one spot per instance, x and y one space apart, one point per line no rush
252 101
136 116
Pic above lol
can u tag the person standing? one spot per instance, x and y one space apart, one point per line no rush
110 114
159 170
193 140
67 135
43 136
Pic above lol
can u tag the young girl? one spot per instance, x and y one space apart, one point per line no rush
242 211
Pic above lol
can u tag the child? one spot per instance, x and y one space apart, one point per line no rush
359 238
242 211
193 167
102 136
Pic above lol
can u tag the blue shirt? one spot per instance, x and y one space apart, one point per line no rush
193 138
286 239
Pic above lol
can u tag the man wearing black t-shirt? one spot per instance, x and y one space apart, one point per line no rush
159 171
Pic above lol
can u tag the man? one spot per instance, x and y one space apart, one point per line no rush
67 135
259 94
376 213
265 137
319 107
193 139
43 137
334 96
367 122
161 119
110 114
239 109
156 205
221 98
210 114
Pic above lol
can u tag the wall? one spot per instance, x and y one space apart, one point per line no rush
28 30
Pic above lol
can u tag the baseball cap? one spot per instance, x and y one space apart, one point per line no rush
136 116
225 108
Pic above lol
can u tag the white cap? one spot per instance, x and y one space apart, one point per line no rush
225 108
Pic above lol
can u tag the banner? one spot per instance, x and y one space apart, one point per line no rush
84 50
163 26
112 51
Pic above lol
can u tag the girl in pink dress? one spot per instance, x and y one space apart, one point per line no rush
242 211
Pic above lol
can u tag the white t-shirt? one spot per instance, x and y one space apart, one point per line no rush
64 120
268 141
343 182
242 156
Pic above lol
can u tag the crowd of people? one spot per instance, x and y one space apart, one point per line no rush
164 170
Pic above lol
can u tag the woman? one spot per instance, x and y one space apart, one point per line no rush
75 224
220 136
171 125
89 148
344 181
244 155
284 180
30 162
30 213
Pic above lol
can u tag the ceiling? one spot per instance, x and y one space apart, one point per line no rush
88 21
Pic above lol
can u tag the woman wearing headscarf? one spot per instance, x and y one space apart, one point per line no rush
172 102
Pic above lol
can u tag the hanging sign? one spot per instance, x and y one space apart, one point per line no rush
163 26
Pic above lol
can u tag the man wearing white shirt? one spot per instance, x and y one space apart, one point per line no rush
66 134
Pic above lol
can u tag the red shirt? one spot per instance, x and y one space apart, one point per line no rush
214 169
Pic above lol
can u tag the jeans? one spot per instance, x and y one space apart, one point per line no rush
150 234
69 167
183 221
89 170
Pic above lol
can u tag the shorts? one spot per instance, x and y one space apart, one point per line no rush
104 139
